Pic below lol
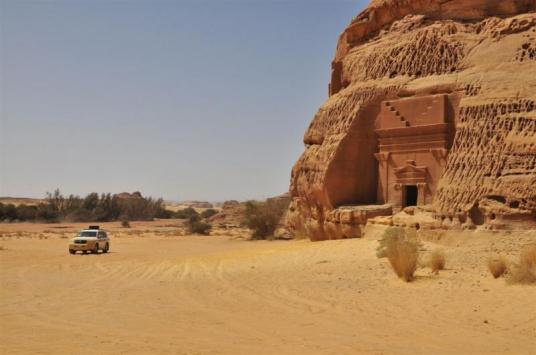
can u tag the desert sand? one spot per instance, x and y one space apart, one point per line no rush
162 293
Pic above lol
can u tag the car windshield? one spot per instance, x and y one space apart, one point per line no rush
87 234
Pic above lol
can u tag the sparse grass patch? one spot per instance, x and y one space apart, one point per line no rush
497 266
134 233
525 271
437 261
403 256
125 223
401 247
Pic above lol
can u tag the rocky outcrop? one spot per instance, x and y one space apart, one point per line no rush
129 196
478 56
230 215
196 204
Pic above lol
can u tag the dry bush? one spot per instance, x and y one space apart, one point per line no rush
403 256
198 227
525 271
437 261
263 218
394 234
390 235
401 247
497 267
134 233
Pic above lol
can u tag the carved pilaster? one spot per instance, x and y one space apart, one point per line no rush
439 153
421 188
383 159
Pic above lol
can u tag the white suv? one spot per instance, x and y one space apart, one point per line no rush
92 239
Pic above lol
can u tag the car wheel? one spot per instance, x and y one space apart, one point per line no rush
106 248
96 249
84 251
72 251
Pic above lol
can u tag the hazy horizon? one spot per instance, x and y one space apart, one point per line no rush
184 100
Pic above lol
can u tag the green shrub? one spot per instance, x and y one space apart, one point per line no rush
164 214
26 213
186 213
8 212
195 226
125 223
92 208
264 217
47 212
80 215
208 213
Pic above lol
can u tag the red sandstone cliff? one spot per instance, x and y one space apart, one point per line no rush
472 157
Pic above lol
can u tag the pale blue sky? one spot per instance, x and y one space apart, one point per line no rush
178 99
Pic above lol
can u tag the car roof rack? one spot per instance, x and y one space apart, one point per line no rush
93 227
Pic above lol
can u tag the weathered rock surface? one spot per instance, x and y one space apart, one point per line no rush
230 215
382 136
129 196
195 204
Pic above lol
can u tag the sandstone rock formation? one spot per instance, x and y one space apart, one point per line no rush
231 214
129 196
195 204
432 103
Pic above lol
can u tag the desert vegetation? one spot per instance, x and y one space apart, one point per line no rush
521 272
497 266
437 261
208 213
524 272
401 248
186 213
196 226
264 217
91 208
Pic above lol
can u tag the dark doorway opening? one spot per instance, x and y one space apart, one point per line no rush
411 195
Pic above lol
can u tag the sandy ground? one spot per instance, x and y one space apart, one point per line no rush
168 294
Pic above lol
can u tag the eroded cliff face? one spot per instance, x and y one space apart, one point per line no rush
376 138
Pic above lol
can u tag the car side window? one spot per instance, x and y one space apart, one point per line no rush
101 235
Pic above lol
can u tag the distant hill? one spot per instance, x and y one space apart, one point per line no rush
20 200
175 206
